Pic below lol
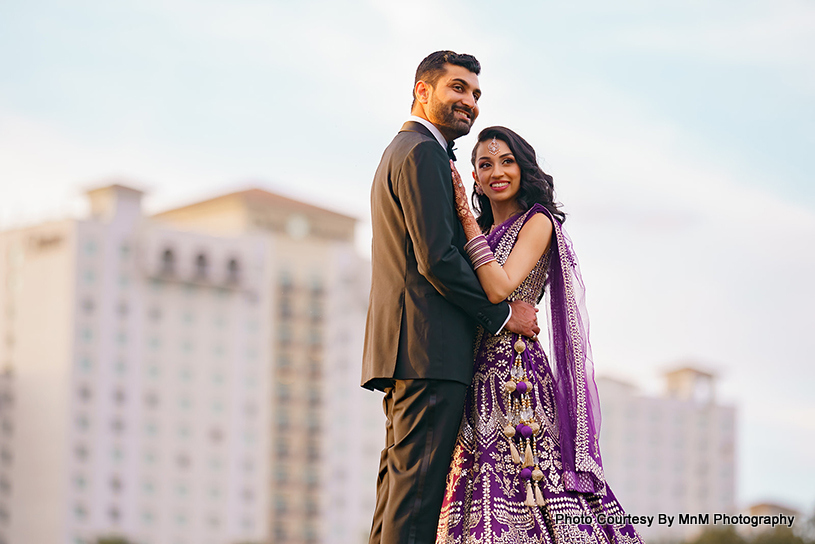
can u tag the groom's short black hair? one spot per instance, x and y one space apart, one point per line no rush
432 67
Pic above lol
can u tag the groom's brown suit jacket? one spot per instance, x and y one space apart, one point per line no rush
425 298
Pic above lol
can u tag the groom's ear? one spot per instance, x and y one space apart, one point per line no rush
421 91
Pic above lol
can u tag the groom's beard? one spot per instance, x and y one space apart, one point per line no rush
444 117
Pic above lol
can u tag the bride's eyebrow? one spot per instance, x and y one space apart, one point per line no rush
507 154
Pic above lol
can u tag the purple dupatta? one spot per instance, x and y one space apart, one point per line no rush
576 397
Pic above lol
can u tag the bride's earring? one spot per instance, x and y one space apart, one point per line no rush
477 188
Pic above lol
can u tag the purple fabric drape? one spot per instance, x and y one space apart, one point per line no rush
576 397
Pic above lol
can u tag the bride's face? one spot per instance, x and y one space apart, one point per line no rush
497 171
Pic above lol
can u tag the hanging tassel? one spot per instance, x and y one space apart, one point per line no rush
530 499
528 460
516 457
539 495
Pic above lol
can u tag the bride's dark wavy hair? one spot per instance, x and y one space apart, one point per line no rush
536 185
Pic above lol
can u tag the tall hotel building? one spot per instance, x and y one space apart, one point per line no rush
188 378
672 454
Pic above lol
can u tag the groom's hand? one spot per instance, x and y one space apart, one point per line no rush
524 319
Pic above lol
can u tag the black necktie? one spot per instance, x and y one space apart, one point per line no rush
450 152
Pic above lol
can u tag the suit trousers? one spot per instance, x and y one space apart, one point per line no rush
423 418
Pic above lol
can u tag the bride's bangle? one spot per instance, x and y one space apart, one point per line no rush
479 252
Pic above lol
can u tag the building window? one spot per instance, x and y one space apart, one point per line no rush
233 271
315 337
85 392
312 455
201 266
315 311
184 431
82 422
183 461
216 435
283 361
117 453
286 281
154 313
5 485
311 508
116 484
119 396
284 335
285 307
117 425
168 262
85 363
151 428
283 392
151 399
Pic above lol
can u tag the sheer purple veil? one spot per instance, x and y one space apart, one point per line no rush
576 397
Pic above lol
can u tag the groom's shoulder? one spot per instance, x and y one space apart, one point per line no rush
409 142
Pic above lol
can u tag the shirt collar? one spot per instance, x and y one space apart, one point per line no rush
432 128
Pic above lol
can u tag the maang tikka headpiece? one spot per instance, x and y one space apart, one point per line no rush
493 147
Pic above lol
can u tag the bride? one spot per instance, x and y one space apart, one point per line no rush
526 466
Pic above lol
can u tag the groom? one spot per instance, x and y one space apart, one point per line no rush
425 302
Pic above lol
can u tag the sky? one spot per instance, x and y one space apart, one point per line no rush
678 134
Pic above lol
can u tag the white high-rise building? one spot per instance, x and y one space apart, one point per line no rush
673 454
189 378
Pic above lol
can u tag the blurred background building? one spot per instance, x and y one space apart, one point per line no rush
669 454
191 377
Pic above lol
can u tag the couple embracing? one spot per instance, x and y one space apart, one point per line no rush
488 438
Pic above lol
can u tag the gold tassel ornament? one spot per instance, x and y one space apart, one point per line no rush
537 476
539 495
528 460
530 499
516 457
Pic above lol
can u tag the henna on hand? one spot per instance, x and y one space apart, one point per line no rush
462 207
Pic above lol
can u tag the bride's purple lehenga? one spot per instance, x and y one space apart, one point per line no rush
508 484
